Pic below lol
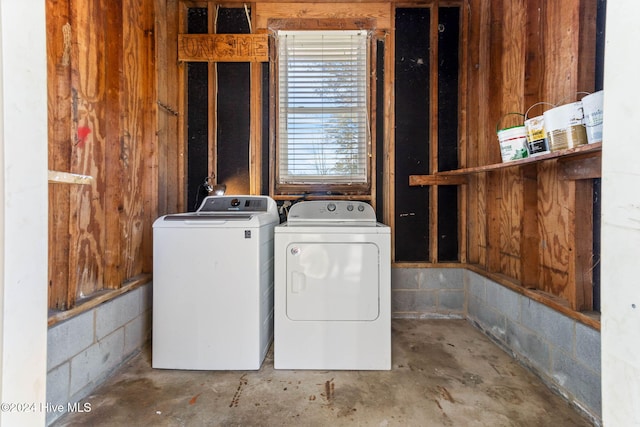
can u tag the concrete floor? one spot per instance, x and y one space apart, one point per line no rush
445 373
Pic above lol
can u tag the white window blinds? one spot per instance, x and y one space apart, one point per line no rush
323 126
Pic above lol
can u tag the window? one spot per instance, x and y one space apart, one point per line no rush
323 126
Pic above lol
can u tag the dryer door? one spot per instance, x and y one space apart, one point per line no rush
333 281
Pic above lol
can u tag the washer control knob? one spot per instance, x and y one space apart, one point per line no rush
331 207
235 202
349 208
361 208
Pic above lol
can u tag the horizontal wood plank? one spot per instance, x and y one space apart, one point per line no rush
97 299
223 47
57 177
576 168
381 12
416 180
560 305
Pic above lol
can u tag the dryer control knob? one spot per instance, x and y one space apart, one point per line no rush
295 250
349 208
361 208
331 207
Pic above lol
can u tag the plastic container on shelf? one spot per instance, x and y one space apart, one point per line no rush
513 140
564 126
592 106
536 136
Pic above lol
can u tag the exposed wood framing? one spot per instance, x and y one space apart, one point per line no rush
117 113
56 177
463 120
255 147
388 183
212 87
529 232
60 143
380 12
170 157
97 131
432 117
530 240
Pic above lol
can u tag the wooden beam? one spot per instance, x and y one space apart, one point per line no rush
99 298
223 47
582 239
168 155
331 23
530 238
437 179
255 127
554 302
389 142
115 180
57 177
59 122
433 133
580 168
89 134
380 12
493 222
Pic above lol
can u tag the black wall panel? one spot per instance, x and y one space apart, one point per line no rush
448 132
233 107
412 133
197 112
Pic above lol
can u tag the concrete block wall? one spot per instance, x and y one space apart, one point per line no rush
564 353
427 293
84 350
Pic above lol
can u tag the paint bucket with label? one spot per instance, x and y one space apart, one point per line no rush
536 135
564 126
513 140
592 106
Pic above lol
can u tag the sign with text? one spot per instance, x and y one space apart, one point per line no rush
223 47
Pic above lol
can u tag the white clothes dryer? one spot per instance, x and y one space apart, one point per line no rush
332 301
213 285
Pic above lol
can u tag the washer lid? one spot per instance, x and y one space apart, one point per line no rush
331 211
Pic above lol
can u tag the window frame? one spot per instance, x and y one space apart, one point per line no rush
364 190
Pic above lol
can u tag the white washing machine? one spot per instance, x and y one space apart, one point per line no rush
213 285
332 288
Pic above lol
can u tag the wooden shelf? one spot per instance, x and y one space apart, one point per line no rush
534 218
458 176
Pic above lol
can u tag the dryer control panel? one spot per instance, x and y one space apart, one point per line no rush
331 210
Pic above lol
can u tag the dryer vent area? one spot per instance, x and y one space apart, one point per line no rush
445 372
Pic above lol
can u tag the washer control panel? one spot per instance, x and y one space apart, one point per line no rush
331 210
234 204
